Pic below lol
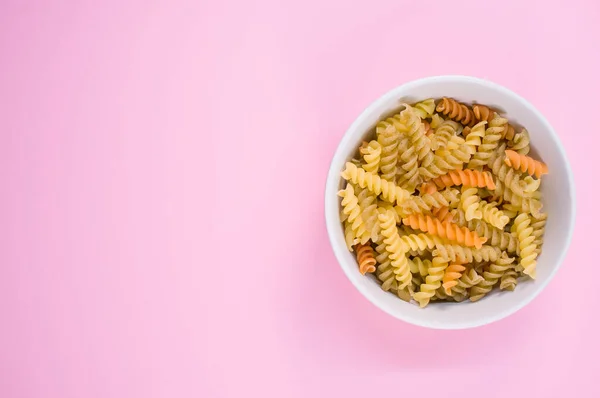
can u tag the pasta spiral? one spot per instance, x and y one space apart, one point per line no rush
416 133
474 136
387 137
436 121
521 142
527 247
442 213
446 230
366 258
461 254
421 266
388 190
408 175
525 164
420 242
388 206
489 142
508 281
424 203
351 208
443 134
469 201
507 179
492 215
385 271
372 156
394 248
482 112
468 279
496 237
539 227
425 108
456 111
466 178
441 164
349 236
367 202
451 276
491 276
432 282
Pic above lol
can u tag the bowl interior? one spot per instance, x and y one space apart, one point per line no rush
557 189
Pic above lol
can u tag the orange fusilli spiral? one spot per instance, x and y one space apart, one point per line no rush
483 112
456 111
467 178
451 276
366 258
446 230
443 213
525 164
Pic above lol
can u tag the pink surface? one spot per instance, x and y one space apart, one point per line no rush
163 166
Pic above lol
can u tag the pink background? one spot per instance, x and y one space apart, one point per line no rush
163 167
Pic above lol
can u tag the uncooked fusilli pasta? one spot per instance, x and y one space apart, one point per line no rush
441 243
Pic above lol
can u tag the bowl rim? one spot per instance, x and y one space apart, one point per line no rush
332 220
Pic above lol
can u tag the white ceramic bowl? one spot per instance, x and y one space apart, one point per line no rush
557 188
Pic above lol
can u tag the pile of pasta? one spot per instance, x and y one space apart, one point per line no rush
443 204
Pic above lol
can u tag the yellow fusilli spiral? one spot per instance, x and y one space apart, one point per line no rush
436 121
489 142
425 108
349 236
420 242
483 112
491 276
432 282
492 215
416 133
474 137
385 271
387 137
507 177
393 245
468 279
451 276
408 173
420 265
388 206
508 281
496 237
443 134
465 255
442 164
469 202
539 227
351 208
527 248
424 203
372 156
367 202
521 142
388 190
